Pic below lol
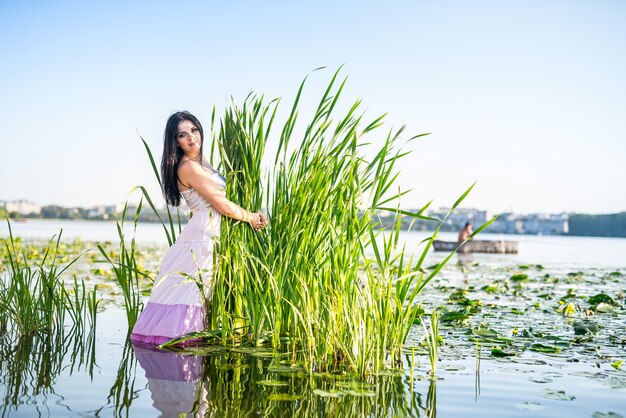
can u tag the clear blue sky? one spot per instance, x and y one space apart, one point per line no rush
528 98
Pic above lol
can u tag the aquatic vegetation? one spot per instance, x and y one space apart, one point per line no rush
323 281
243 379
35 298
431 334
322 278
126 269
31 364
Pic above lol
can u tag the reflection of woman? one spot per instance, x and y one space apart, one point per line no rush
174 380
176 305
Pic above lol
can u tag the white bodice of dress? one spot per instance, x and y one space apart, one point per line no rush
194 200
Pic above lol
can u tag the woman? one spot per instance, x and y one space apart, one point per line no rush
176 305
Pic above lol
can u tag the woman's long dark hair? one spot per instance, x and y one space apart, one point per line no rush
172 155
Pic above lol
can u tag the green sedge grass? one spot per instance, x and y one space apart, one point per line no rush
35 298
125 268
323 281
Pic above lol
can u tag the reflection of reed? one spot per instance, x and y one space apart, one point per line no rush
122 393
477 379
180 383
232 388
228 385
431 400
31 365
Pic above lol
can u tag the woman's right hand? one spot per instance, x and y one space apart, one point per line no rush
257 221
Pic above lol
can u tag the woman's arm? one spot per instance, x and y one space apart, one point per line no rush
194 175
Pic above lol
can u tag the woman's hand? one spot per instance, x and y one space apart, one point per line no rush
257 220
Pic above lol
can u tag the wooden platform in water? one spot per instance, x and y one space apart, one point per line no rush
477 246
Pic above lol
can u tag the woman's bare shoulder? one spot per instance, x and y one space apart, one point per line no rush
191 173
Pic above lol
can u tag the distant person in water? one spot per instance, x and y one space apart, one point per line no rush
465 232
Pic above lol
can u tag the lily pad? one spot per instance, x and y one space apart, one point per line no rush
283 397
497 352
604 308
584 326
485 335
451 316
287 369
543 348
557 395
519 277
600 298
617 365
606 415
492 288
272 383
328 394
352 392
540 379
357 385
530 406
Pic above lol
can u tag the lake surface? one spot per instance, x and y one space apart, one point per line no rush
564 251
109 377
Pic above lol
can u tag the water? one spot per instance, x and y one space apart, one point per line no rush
110 378
563 251
85 230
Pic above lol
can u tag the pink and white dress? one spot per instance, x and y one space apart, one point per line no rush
176 306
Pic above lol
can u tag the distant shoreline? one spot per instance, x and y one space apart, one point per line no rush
422 229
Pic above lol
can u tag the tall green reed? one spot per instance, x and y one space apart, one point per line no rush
310 278
431 334
35 298
31 365
323 280
127 272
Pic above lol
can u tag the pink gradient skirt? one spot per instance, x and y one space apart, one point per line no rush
177 303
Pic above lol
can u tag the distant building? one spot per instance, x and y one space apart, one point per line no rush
532 224
457 219
21 207
543 224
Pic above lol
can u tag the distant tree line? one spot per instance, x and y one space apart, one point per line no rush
612 225
76 213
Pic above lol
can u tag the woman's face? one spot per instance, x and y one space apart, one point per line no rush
189 138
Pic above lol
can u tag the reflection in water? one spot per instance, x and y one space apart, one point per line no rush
235 385
213 382
479 352
122 392
431 400
174 380
31 365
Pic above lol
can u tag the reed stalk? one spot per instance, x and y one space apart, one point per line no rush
125 268
309 277
34 295
323 281
432 339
